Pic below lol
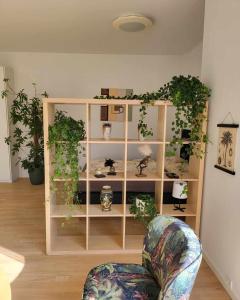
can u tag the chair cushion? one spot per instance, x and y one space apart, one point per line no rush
120 282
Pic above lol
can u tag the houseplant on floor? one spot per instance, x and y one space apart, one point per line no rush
26 115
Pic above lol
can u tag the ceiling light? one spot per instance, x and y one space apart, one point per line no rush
132 23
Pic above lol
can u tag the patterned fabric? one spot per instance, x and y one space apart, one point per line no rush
171 258
172 254
120 282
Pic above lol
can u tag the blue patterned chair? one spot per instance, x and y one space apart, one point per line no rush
172 255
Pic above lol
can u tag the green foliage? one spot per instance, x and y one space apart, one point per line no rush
26 115
146 211
64 137
189 95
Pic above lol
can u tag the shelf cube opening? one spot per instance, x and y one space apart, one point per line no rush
154 166
170 203
70 234
99 153
95 208
112 114
153 113
135 232
106 233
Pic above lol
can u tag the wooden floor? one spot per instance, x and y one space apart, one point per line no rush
22 229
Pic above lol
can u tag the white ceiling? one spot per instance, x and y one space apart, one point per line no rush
84 26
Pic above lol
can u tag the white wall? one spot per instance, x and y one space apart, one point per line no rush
80 75
221 208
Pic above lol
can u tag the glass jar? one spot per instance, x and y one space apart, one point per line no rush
106 197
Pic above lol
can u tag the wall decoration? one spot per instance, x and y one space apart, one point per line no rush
226 147
115 113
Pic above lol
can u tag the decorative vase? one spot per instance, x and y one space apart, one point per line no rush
107 127
106 197
36 176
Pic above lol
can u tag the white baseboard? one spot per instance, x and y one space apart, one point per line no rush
220 277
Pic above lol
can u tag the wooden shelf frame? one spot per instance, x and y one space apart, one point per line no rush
121 241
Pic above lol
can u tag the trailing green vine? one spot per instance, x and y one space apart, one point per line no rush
189 95
143 208
64 137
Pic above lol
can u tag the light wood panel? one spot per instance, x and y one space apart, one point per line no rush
22 229
90 211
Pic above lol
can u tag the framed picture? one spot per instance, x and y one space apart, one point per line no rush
115 113
226 147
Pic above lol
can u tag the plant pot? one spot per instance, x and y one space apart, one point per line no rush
140 136
107 127
36 176
140 204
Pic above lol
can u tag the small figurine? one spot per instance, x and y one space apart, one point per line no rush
146 151
110 163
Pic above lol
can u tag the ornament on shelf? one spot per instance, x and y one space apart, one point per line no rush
98 173
106 198
179 192
146 151
107 127
110 163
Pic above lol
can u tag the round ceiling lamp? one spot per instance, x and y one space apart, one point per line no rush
132 23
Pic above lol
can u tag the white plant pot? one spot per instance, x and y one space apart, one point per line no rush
106 132
140 136
140 204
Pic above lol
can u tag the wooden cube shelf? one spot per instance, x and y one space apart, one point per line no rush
88 229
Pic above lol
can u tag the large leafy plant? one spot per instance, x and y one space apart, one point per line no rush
64 137
189 95
26 115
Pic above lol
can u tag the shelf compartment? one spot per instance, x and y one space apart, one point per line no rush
68 238
154 166
95 122
64 211
82 176
95 210
155 119
147 141
131 176
168 209
118 177
106 233
135 232
183 176
111 141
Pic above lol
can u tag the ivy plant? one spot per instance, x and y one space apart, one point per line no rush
189 95
145 210
64 137
26 115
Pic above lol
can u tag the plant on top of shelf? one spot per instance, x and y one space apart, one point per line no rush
143 208
64 137
189 95
26 115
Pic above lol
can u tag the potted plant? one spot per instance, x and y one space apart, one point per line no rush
26 115
143 208
64 137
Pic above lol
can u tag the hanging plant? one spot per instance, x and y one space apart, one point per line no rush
143 208
189 95
64 137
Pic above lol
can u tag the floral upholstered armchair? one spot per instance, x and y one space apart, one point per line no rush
172 255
